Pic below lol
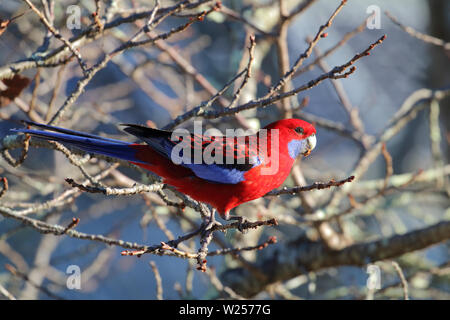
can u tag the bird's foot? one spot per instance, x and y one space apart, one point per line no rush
212 222
241 222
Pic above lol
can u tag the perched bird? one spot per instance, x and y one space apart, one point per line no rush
223 171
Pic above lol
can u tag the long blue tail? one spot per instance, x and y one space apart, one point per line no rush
84 141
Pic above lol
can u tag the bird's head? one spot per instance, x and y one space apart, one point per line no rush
299 135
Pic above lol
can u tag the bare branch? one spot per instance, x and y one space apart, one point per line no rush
419 35
159 287
293 260
314 186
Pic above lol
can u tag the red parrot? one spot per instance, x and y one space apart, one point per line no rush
244 168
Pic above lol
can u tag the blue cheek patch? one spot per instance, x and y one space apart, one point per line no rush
294 148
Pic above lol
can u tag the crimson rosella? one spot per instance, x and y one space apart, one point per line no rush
229 171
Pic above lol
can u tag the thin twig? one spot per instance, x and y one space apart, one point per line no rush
248 71
13 162
314 186
25 277
5 186
403 281
338 45
419 35
58 36
159 287
6 293
109 191
336 72
307 52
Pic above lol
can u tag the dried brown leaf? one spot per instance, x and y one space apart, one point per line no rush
14 86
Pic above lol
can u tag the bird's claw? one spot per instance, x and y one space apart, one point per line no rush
241 222
211 224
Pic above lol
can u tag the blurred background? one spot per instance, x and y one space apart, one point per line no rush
146 85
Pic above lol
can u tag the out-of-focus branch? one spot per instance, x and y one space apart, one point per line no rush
132 43
236 16
4 182
6 293
338 45
298 258
58 36
419 35
25 277
307 52
351 111
159 287
248 71
60 55
407 112
13 162
201 109
62 200
336 73
403 281
435 139
337 127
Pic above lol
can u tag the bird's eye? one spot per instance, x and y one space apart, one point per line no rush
299 130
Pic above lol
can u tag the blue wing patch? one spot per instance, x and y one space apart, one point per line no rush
217 173
243 158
